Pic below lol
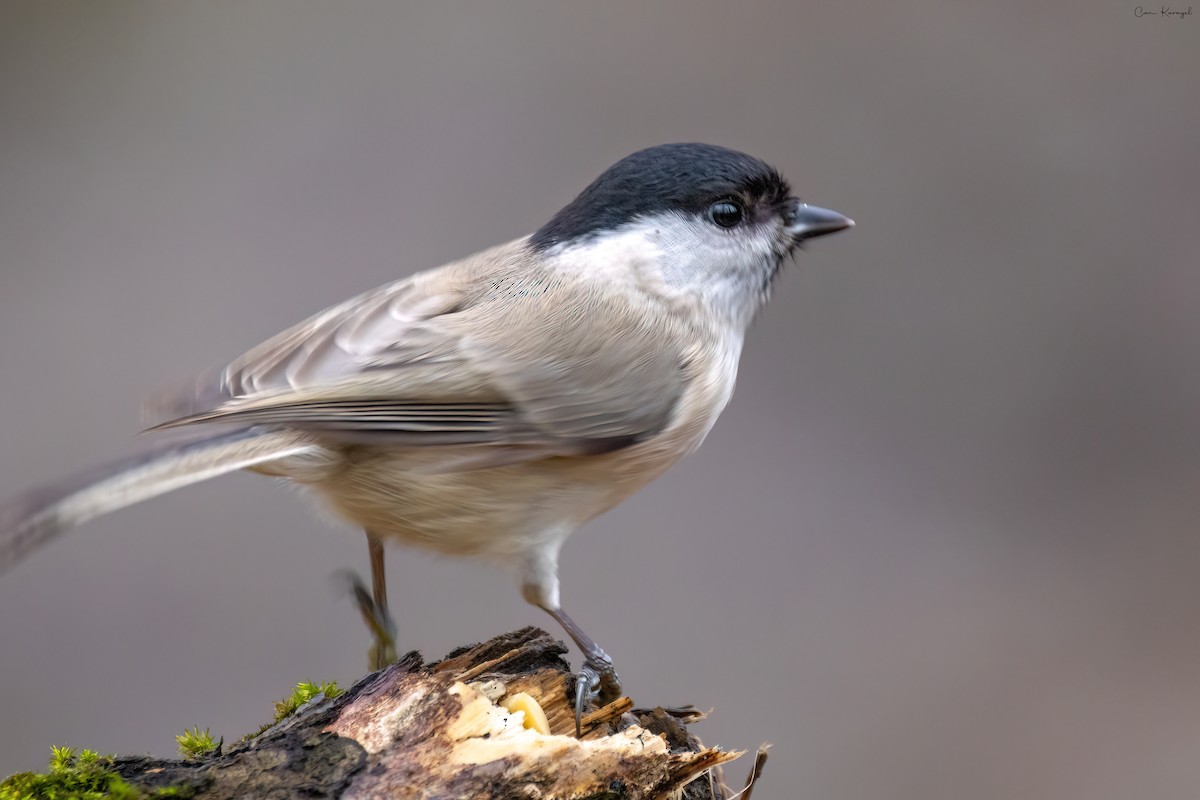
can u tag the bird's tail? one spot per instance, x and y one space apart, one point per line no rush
33 519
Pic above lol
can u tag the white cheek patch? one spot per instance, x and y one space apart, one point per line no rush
618 256
683 255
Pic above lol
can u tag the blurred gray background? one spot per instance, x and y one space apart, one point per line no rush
943 542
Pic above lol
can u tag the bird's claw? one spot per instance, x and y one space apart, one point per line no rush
596 680
382 651
587 686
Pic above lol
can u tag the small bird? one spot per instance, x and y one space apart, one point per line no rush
493 405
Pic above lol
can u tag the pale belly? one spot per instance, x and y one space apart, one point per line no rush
504 512
498 512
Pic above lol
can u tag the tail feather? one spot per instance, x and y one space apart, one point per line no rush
31 520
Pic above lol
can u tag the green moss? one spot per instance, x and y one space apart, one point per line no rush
86 776
303 693
196 743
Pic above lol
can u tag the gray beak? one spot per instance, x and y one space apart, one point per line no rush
809 222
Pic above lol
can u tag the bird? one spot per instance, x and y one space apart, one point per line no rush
493 405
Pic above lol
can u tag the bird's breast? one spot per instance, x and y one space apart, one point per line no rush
712 365
504 511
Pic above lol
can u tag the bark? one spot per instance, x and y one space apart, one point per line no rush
415 730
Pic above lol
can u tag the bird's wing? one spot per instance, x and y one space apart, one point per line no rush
485 351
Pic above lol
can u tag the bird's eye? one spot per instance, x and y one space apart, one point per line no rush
726 213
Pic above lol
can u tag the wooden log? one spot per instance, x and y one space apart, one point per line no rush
415 730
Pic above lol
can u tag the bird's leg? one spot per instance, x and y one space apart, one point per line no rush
597 678
383 652
539 585
374 609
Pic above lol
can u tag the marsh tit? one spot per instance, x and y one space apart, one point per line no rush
493 405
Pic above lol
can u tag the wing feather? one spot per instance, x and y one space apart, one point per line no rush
489 350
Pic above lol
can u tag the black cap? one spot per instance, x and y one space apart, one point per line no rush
669 177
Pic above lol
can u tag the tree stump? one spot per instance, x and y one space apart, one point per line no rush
415 730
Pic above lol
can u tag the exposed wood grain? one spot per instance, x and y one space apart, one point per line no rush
414 730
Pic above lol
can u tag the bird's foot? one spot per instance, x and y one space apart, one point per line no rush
379 622
382 651
596 680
